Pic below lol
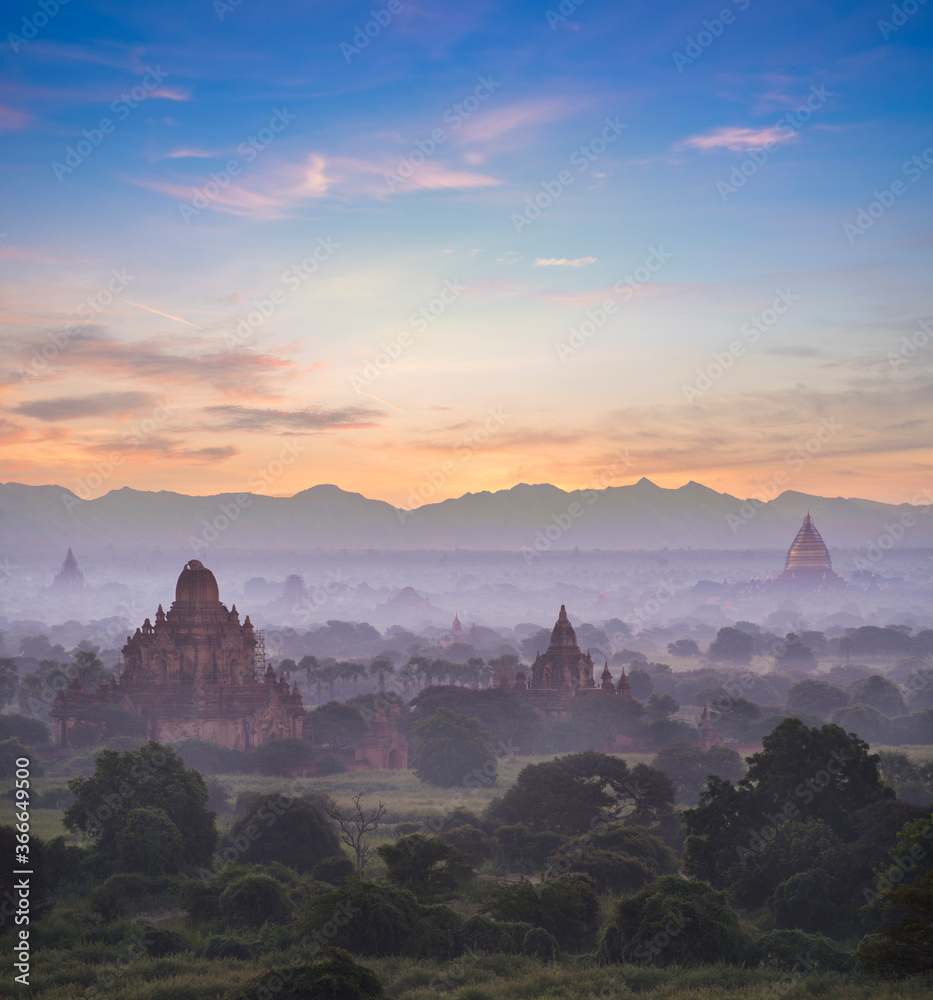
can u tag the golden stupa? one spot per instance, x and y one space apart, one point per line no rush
808 558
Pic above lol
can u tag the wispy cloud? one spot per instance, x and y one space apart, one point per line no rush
307 419
564 262
12 120
78 407
737 139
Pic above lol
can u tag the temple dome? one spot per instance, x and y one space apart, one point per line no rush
808 551
196 585
563 634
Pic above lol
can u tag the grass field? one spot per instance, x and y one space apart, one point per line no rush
65 975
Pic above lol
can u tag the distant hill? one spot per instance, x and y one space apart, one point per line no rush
640 516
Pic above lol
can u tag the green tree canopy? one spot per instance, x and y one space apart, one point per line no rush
153 776
674 921
731 645
427 866
451 749
279 827
801 773
816 697
572 794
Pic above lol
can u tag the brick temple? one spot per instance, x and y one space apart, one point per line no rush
563 672
198 672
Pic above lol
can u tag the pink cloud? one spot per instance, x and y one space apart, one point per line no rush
492 122
737 139
11 120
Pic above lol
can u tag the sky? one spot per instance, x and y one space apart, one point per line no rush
423 249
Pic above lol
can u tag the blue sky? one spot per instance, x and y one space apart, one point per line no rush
607 323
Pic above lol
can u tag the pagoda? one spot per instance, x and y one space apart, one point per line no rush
808 560
69 577
198 672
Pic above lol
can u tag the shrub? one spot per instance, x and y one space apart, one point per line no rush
227 946
480 933
150 842
472 842
160 941
427 866
784 948
337 976
567 906
538 943
675 922
253 899
383 916
334 870
279 827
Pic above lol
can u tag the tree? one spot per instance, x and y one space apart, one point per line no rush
30 731
150 843
9 681
427 866
11 751
283 828
569 794
870 723
878 692
684 648
451 749
675 922
823 773
508 718
153 776
253 899
905 947
661 706
688 767
816 697
210 758
337 725
731 646
793 653
281 757
353 828
382 916
566 906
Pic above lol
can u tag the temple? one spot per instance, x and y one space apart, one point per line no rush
564 672
808 559
198 672
69 577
